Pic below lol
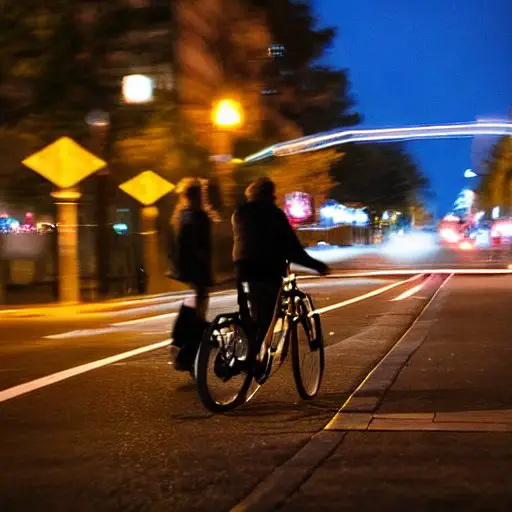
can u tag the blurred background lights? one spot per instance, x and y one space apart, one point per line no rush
298 207
137 89
227 114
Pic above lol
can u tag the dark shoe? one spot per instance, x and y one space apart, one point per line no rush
261 374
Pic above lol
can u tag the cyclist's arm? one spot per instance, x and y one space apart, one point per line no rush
295 251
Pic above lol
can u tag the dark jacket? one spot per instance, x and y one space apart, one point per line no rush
193 256
264 242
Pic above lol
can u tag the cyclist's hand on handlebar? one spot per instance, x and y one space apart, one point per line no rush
322 268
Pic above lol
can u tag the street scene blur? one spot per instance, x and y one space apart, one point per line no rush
255 255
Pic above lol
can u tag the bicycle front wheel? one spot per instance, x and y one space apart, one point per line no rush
223 369
308 355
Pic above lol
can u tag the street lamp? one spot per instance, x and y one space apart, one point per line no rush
469 173
227 116
137 89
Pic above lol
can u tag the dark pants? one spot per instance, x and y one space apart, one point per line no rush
257 302
202 298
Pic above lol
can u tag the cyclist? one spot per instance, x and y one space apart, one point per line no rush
264 244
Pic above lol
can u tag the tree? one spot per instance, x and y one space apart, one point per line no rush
496 187
381 176
162 143
219 51
300 92
307 172
60 59
267 52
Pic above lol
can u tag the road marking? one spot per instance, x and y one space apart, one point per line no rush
411 271
411 340
81 333
138 321
288 478
115 327
22 389
368 295
409 293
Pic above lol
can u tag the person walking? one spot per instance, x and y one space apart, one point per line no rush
193 256
192 265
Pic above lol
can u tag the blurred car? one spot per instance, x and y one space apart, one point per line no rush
412 242
501 232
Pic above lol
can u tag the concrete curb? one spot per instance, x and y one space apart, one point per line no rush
358 410
396 325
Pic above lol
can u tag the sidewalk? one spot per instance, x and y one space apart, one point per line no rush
441 438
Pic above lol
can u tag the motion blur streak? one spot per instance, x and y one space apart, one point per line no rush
410 245
22 389
116 327
402 272
333 138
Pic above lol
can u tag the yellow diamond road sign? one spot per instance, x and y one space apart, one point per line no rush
65 163
147 187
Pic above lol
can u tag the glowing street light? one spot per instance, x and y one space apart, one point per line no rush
227 114
137 89
469 173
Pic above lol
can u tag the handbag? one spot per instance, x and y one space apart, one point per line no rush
186 334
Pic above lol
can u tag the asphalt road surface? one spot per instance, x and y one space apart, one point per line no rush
133 435
129 433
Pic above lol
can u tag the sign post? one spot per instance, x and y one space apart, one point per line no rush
147 188
65 163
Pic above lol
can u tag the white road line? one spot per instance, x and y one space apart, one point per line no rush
81 333
368 295
149 319
409 293
408 272
22 389
115 327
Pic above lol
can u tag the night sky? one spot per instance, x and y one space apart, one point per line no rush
426 62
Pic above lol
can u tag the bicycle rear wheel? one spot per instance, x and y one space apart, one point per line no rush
223 368
308 356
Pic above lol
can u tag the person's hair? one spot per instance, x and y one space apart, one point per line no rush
190 196
261 189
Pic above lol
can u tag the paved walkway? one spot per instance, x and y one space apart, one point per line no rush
437 433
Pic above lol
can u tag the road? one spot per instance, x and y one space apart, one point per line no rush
132 434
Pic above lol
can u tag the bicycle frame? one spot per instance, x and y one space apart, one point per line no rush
286 310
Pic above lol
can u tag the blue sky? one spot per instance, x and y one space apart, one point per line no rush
425 62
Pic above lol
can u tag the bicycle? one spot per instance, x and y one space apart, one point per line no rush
226 355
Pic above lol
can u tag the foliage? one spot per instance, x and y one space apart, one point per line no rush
306 172
219 52
302 93
160 144
496 186
381 176
18 186
61 59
